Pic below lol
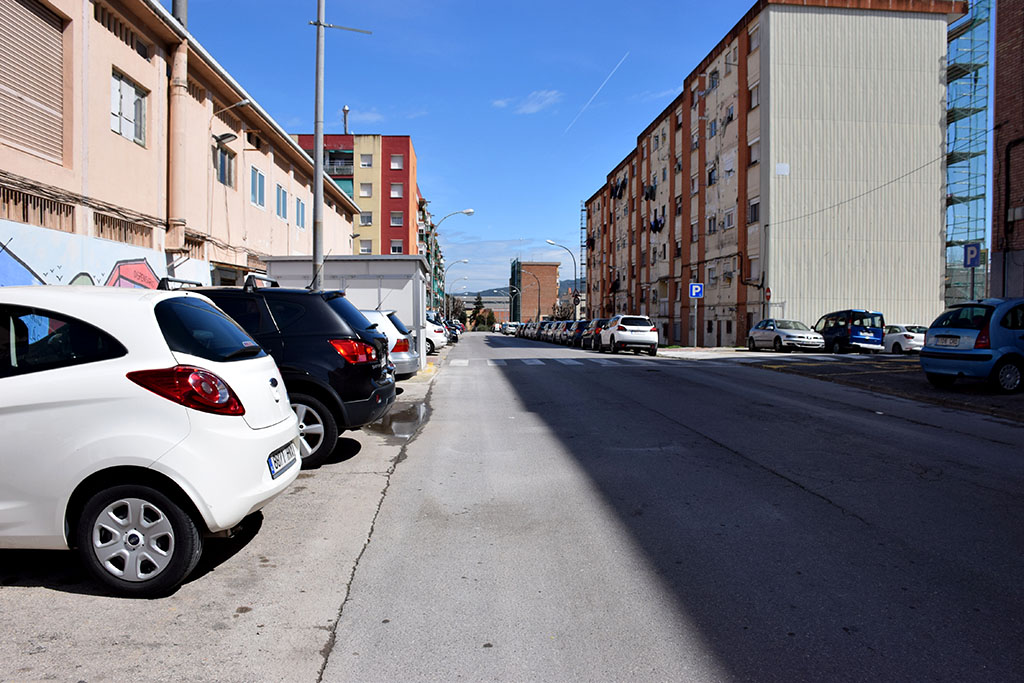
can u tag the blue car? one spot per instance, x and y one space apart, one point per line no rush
979 339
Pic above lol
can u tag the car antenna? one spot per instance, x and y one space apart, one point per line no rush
318 269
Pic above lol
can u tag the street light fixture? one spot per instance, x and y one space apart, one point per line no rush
513 292
575 282
433 228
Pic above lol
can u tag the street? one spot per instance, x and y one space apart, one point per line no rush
567 515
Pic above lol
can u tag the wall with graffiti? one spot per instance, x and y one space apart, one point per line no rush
38 256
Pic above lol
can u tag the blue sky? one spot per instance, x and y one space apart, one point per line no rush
494 95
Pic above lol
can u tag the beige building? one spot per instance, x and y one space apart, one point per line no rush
127 153
799 172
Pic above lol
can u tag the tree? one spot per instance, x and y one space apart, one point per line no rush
562 311
456 309
490 319
478 306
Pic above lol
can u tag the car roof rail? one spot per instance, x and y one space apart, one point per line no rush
251 279
166 282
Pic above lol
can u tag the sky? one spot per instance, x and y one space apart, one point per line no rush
517 110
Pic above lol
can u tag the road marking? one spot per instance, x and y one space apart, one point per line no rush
568 361
491 361
605 361
533 361
459 362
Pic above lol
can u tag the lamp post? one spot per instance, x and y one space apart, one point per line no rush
538 290
513 292
575 282
433 229
444 278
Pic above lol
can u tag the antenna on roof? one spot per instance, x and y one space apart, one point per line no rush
318 269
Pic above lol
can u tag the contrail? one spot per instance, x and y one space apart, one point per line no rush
596 92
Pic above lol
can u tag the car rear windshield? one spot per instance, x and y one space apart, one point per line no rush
191 325
969 317
347 311
399 325
867 320
791 325
635 322
916 329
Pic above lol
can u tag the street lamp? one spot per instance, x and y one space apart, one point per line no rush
575 282
513 292
444 278
538 290
446 307
433 228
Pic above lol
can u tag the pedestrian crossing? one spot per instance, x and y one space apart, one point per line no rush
605 362
718 361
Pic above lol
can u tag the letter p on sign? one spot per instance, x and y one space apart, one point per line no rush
972 255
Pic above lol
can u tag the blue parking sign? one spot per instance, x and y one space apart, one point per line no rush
972 255
696 290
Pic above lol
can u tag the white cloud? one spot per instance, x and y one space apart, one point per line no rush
502 103
538 100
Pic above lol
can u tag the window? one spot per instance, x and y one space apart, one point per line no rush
397 219
127 109
365 161
712 275
282 203
711 327
225 161
397 162
712 176
712 225
755 38
712 128
300 213
754 210
655 142
257 181
755 95
730 219
693 184
365 246
664 173
679 250
366 218
396 190
679 205
33 340
396 246
693 99
730 113
713 80
695 140
754 151
365 189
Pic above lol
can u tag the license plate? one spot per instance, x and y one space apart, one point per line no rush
282 459
947 341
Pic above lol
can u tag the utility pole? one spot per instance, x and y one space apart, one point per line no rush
318 144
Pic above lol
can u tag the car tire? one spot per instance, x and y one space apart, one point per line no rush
600 346
897 349
430 347
318 431
137 541
837 347
1008 375
940 381
611 346
777 345
653 351
751 346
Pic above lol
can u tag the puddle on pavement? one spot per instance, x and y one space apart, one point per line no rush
401 423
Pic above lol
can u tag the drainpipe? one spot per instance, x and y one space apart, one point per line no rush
176 161
1007 223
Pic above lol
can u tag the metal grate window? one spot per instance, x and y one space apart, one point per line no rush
23 207
120 230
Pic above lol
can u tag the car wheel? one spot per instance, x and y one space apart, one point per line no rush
612 347
318 432
940 381
777 345
837 347
653 351
137 541
751 346
430 347
897 348
1007 375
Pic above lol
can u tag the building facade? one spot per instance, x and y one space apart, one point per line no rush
379 171
537 284
1008 164
127 153
799 172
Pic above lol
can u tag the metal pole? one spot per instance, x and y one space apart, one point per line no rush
318 152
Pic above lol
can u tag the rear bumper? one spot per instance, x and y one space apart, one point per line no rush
957 363
362 413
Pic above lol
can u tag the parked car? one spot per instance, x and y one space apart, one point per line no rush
134 423
436 336
852 330
576 334
625 332
783 335
336 370
979 339
903 338
592 334
402 351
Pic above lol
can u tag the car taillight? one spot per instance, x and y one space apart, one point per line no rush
401 346
191 387
355 352
908 336
654 329
621 328
983 341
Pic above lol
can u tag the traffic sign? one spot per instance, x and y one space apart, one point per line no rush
576 300
972 255
696 290
767 293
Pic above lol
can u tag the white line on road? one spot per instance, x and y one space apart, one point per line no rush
533 361
491 361
459 362
568 361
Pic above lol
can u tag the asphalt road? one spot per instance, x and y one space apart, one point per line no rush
537 513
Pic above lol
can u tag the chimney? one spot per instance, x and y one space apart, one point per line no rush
179 9
344 111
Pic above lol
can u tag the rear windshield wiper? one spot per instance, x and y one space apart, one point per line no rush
244 351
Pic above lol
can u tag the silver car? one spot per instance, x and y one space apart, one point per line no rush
400 342
783 335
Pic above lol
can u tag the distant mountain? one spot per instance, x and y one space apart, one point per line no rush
563 289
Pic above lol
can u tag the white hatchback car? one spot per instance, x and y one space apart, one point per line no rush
625 332
904 338
134 422
402 345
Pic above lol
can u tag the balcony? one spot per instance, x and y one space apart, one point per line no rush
339 168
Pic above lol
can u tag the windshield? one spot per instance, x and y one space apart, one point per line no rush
635 322
867 320
399 325
791 325
916 329
970 317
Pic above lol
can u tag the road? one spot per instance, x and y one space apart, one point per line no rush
537 513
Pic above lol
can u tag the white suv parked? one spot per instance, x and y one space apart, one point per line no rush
134 422
625 332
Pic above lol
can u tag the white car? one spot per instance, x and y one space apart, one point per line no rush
626 332
904 338
402 346
783 335
436 336
134 423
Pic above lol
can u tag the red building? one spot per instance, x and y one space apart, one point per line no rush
1008 150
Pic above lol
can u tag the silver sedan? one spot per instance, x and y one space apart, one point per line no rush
783 335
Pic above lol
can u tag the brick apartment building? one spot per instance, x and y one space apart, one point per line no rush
768 178
379 172
1008 162
537 283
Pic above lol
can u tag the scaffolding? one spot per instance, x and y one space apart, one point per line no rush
967 79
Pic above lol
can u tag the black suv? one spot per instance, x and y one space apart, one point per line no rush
337 372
